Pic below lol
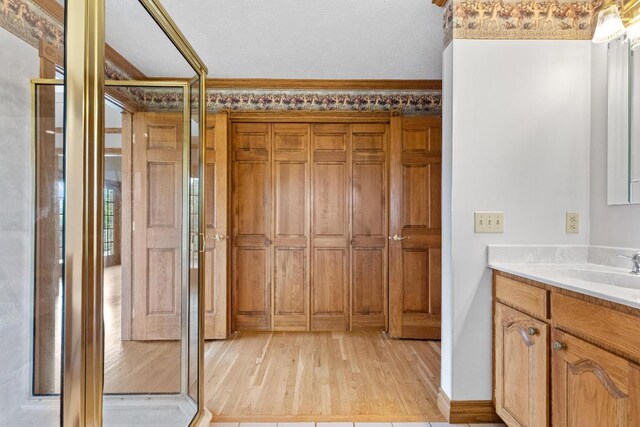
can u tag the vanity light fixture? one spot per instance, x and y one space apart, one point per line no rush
609 26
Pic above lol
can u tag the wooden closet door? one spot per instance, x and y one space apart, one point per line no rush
369 226
290 248
215 199
251 146
415 232
330 227
157 226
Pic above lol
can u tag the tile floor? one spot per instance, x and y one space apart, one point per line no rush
345 424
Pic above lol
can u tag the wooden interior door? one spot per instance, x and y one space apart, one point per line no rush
415 231
216 249
330 230
291 222
592 387
521 368
251 263
369 144
157 226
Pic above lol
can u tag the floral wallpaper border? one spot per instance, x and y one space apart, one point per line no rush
518 20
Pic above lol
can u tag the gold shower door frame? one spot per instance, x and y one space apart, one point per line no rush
83 355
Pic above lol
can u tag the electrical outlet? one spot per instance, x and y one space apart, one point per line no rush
573 222
489 222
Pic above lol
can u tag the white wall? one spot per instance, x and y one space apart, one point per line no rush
313 39
520 144
447 209
610 225
18 64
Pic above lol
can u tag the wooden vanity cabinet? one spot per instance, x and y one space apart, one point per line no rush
521 368
562 358
591 386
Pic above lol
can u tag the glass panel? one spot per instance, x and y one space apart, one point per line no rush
146 261
194 227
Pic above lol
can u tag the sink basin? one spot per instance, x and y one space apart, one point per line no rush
614 278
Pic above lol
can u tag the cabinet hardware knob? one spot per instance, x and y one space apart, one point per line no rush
267 242
557 345
532 331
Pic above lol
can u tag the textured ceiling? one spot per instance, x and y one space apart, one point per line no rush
354 39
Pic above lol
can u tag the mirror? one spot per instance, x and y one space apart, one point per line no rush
623 122
634 125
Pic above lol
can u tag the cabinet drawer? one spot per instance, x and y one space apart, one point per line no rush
611 327
527 298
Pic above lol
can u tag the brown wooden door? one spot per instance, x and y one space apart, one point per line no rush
216 188
330 227
592 387
251 183
369 144
521 368
415 231
291 222
157 226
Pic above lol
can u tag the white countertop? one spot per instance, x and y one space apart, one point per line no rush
600 281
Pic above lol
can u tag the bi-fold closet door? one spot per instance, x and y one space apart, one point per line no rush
309 226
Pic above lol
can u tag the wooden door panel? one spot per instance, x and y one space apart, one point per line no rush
369 226
252 184
329 200
414 261
592 387
291 224
157 162
251 263
330 290
522 368
252 308
330 227
290 199
216 206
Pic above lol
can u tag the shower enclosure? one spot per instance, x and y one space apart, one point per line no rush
117 237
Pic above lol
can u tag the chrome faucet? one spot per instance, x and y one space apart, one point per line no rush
635 259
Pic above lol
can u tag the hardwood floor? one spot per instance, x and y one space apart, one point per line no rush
285 376
299 376
135 366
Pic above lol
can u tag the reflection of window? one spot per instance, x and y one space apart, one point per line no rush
193 218
109 215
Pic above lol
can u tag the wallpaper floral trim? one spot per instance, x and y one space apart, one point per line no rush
532 19
408 102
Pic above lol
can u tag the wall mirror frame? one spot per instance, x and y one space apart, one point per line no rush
83 354
623 122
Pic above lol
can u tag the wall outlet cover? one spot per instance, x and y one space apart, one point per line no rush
573 222
489 222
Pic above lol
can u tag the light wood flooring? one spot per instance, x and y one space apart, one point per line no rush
277 376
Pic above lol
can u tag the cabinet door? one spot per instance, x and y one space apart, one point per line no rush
592 387
521 368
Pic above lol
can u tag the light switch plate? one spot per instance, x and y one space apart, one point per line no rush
573 222
489 222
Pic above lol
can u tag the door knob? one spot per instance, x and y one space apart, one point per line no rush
398 238
559 346
219 237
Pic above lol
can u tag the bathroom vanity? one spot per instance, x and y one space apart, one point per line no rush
566 341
